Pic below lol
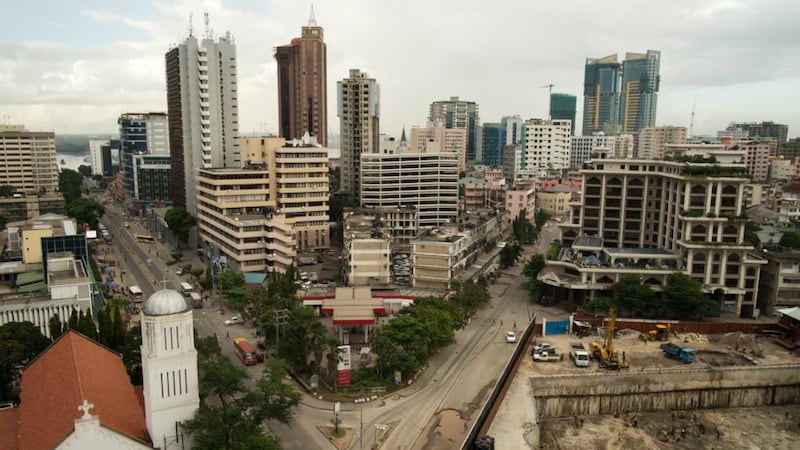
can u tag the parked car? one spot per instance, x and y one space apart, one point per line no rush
235 320
179 271
511 337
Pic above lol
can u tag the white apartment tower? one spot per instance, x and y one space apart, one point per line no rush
202 103
582 147
651 142
426 181
359 125
545 146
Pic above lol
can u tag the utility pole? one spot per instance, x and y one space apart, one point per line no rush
280 321
549 98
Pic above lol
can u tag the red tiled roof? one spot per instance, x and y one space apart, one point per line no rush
9 424
71 370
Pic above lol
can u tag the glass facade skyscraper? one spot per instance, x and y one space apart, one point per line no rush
639 90
564 107
600 93
493 137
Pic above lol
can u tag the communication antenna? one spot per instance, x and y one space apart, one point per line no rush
191 28
549 99
312 21
208 27
691 123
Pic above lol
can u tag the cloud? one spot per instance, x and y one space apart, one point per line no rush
498 54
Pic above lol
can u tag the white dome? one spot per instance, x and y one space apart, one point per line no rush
165 302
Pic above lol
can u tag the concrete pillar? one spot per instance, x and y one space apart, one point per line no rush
544 326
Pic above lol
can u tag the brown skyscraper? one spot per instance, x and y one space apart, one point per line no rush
302 78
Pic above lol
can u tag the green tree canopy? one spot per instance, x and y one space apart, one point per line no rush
469 297
534 266
510 254
6 190
403 344
684 298
439 316
69 183
20 342
790 239
631 295
522 229
85 170
86 210
236 416
231 284
180 222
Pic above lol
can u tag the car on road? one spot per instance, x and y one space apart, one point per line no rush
511 337
235 320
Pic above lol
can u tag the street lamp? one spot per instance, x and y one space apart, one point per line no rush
381 427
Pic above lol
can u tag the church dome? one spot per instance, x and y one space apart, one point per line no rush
165 302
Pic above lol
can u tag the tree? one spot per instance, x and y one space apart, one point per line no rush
509 255
631 295
534 266
304 335
180 222
684 298
751 230
469 297
6 190
402 344
790 239
69 183
439 316
85 170
86 210
86 325
20 342
234 420
522 229
541 218
55 326
231 284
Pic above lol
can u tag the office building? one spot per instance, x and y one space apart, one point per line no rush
425 180
302 85
462 114
564 107
493 141
545 146
140 134
366 249
359 119
600 93
436 138
582 147
652 217
638 97
651 142
28 159
755 130
513 126
104 154
152 180
202 103
756 157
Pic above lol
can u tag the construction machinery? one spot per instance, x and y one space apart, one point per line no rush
604 351
660 333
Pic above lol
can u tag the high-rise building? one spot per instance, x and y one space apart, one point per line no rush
493 141
425 180
302 85
755 130
437 138
621 97
202 103
756 157
564 107
140 134
651 142
600 93
513 126
359 125
455 113
28 159
152 175
545 146
652 218
639 90
582 147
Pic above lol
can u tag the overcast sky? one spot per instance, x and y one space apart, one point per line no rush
73 66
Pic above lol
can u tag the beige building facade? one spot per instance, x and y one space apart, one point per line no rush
437 138
28 159
651 141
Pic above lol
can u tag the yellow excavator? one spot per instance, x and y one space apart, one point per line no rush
661 333
604 351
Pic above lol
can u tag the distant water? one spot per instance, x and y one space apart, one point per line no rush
72 161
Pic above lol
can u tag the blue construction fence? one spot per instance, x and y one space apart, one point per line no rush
555 327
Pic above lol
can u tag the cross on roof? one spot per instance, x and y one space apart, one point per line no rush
85 407
164 282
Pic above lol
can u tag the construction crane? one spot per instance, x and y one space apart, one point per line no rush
604 352
549 99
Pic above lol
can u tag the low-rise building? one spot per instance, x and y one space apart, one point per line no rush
779 286
20 207
555 200
366 251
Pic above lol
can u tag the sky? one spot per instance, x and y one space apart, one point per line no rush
73 66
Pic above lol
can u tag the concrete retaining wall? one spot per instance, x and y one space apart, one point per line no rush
665 389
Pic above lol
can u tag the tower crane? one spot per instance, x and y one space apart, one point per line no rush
549 99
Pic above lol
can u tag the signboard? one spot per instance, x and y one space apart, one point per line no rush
343 365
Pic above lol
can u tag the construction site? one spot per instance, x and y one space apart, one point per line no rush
651 389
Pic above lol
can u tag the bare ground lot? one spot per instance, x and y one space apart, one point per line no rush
744 428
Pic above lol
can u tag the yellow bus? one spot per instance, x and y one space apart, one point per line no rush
146 238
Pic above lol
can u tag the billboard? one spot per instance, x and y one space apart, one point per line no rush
343 366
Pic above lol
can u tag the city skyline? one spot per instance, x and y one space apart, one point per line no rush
92 61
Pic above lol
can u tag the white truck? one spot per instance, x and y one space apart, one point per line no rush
579 354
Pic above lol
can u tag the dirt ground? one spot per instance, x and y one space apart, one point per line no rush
743 428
